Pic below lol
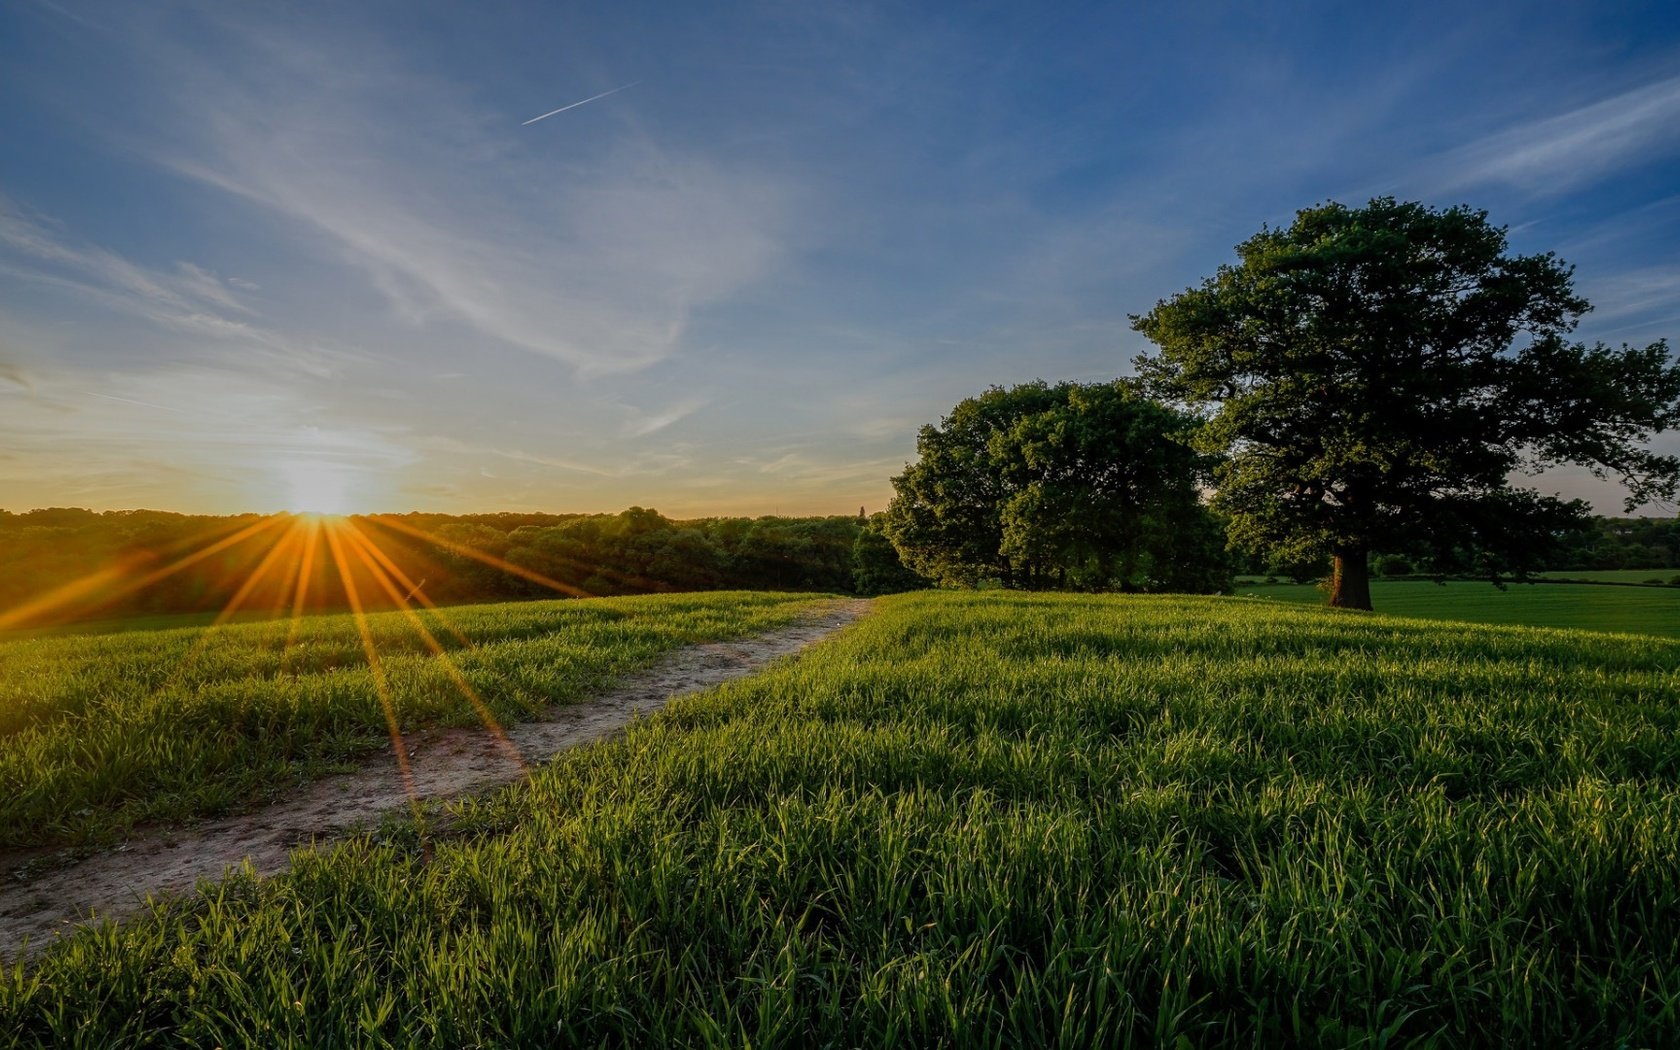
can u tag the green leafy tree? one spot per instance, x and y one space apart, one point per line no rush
1067 486
876 567
946 518
1375 376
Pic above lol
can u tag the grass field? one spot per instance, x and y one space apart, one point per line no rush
104 731
155 622
1638 610
998 820
1614 575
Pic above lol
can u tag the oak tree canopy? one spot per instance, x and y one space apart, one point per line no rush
1374 377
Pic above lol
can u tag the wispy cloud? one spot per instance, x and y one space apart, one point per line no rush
1633 300
186 299
642 424
16 375
1574 148
455 219
521 456
142 404
212 289
101 272
801 469
649 464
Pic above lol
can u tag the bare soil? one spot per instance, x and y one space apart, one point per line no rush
42 900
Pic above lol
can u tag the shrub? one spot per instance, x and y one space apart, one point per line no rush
1394 565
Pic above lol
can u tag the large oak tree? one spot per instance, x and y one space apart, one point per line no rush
1376 375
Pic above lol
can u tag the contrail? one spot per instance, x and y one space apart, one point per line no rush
132 401
575 105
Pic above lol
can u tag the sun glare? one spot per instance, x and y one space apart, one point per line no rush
275 561
317 489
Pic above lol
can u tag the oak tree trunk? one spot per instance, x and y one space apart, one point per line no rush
1350 580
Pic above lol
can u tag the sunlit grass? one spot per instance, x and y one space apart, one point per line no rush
1637 610
999 820
98 733
82 763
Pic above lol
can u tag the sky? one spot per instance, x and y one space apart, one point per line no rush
321 256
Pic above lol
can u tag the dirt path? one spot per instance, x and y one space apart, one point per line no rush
445 763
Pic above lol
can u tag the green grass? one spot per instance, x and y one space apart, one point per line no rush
1614 575
98 733
997 820
1637 610
153 622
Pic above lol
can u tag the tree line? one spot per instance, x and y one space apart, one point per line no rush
1602 543
640 551
1623 543
449 558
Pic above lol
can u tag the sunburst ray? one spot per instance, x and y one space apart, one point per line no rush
479 556
116 581
377 669
306 569
363 546
414 590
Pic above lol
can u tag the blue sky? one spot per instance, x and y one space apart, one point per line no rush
311 255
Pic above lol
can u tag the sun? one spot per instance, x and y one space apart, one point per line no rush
318 489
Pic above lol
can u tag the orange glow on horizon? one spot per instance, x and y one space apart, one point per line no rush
116 578
278 553
275 564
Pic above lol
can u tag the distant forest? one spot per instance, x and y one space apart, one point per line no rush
542 556
1606 543
452 558
1625 543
